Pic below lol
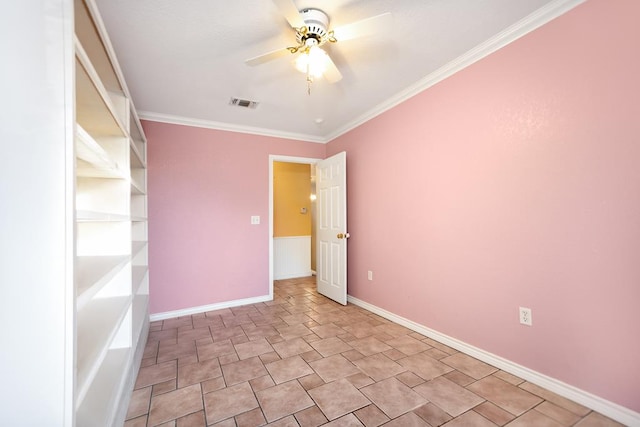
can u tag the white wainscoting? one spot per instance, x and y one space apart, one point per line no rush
291 257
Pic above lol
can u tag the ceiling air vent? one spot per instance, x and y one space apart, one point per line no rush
243 103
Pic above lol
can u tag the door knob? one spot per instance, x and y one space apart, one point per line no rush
343 235
340 236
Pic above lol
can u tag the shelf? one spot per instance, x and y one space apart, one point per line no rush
96 112
93 272
98 323
93 160
138 273
99 401
137 246
141 313
137 157
91 216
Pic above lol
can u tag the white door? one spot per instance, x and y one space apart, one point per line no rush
331 191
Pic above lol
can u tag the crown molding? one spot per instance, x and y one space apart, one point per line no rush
210 124
512 33
531 22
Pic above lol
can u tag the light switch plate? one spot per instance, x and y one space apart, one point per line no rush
255 219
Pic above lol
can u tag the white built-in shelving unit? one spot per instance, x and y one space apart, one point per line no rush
111 261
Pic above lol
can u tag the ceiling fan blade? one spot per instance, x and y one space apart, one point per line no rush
266 57
365 27
290 12
332 74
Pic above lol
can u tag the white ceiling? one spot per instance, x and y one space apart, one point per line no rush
184 59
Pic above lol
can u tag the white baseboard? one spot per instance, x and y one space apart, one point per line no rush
610 409
210 307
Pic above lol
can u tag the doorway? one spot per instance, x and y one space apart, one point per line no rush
280 242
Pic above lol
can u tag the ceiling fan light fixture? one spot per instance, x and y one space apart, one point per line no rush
313 62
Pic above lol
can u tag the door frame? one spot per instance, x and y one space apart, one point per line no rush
286 159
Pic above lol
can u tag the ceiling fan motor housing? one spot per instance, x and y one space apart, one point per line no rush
316 22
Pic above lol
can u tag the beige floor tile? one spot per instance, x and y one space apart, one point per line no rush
348 420
448 395
369 346
214 350
408 420
155 374
192 420
493 413
243 370
505 395
379 367
311 381
291 347
252 418
597 420
164 387
311 417
221 334
289 421
261 383
253 348
409 379
408 345
554 398
510 378
533 418
139 403
334 367
294 331
282 400
327 330
471 419
288 369
330 346
469 365
432 414
228 402
338 398
176 351
198 372
360 380
175 404
424 366
393 397
136 422
371 416
459 378
262 362
561 415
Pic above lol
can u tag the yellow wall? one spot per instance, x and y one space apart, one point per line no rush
291 191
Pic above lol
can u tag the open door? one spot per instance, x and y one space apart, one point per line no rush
331 191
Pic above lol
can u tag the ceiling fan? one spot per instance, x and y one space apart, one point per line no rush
312 31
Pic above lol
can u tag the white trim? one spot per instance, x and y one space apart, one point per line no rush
531 22
540 17
210 124
610 409
210 307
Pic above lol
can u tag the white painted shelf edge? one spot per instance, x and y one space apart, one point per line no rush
100 164
99 402
98 324
93 273
93 75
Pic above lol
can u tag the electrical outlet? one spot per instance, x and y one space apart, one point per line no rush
525 316
370 275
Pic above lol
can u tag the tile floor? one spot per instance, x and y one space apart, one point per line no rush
303 360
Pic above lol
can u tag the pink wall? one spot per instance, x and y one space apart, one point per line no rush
204 186
515 182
